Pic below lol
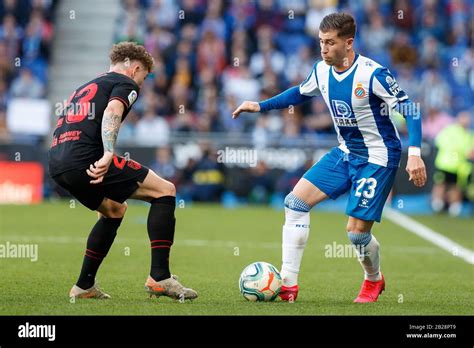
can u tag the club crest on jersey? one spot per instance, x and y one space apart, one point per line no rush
132 97
343 115
359 92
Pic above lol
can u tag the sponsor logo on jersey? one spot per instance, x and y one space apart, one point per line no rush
132 97
343 115
392 85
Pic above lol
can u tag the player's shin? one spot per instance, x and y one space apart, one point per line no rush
295 236
161 226
368 251
98 245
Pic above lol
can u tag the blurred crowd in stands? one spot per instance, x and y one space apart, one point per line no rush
210 55
26 33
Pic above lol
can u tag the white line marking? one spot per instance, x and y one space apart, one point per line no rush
179 242
428 234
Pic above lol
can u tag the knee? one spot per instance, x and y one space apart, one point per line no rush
168 189
164 189
351 226
293 202
117 210
357 227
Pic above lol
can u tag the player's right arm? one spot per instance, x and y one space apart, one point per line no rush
292 96
111 122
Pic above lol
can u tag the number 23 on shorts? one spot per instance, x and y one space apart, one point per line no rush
369 190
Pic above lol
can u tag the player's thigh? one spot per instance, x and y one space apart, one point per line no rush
77 183
123 179
153 187
308 193
329 177
371 185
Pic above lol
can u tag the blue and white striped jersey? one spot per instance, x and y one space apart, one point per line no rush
360 100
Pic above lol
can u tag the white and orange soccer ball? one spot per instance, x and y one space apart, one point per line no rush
260 281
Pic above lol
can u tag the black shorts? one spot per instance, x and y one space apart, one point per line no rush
120 182
444 177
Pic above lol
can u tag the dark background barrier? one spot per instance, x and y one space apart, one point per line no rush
280 162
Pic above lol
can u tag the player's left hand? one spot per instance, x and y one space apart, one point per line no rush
98 170
416 170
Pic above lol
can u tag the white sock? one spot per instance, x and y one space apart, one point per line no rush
295 236
437 205
368 251
455 209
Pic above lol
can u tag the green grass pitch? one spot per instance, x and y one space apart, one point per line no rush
212 246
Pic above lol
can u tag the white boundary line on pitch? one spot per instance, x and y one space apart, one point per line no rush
428 234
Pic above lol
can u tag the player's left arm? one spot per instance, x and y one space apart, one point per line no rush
111 121
386 87
121 98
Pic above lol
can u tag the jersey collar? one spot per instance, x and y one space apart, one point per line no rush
339 76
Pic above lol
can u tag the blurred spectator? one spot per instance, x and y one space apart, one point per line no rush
320 120
240 84
376 35
292 128
132 23
268 14
164 12
260 136
26 85
453 164
127 129
432 24
287 181
436 92
163 164
4 133
152 130
6 66
402 15
402 51
261 184
318 9
207 177
434 122
213 21
211 52
3 95
267 57
411 85
430 53
299 65
463 70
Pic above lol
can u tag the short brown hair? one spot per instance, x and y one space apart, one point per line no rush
128 50
343 23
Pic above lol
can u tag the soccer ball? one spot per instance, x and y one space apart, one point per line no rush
260 281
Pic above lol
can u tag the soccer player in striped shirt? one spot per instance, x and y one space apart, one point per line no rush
360 95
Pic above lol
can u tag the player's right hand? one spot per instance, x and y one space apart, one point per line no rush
98 170
246 106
